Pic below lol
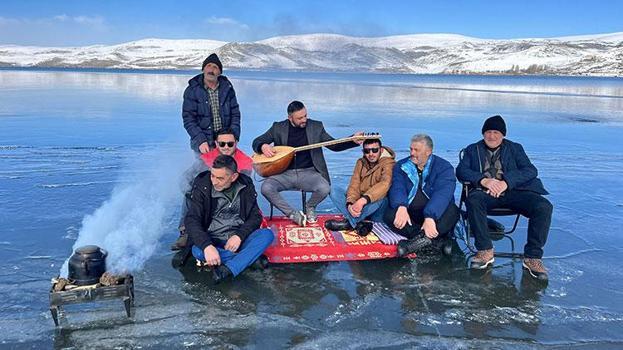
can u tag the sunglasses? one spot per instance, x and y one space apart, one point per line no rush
229 144
368 150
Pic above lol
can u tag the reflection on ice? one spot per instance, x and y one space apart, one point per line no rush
567 99
150 86
96 158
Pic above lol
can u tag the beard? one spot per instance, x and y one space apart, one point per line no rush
230 152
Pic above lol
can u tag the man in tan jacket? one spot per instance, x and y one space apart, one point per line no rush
365 197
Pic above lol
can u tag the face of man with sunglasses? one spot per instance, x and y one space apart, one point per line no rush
226 144
372 152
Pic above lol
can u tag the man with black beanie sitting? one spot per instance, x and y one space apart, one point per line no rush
502 176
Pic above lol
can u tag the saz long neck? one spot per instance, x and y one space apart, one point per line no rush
335 142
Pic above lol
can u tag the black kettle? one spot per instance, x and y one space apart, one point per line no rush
87 265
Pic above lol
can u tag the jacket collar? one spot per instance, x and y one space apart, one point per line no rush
238 186
223 82
481 149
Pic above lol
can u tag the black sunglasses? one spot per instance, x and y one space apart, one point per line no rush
229 144
368 150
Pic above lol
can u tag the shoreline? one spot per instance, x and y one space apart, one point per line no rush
311 72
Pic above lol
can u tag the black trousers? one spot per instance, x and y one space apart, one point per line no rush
445 224
532 205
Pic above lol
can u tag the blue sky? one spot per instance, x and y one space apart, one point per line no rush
64 23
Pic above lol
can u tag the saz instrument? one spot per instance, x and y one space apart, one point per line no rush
278 163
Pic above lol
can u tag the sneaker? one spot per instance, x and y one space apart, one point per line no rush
221 273
408 246
299 218
483 259
181 241
310 212
337 225
363 228
535 268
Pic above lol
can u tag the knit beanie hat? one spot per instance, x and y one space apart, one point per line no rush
213 58
495 123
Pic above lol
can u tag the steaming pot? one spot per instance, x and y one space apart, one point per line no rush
87 265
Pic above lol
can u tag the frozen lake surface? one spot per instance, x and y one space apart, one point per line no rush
99 155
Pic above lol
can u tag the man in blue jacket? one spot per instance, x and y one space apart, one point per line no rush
209 105
502 176
421 197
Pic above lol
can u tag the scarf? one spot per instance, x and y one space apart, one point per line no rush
411 170
493 165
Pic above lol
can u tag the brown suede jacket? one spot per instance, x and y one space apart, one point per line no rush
371 181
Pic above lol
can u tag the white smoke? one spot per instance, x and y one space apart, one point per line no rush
129 224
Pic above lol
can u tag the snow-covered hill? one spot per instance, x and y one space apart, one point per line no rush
598 55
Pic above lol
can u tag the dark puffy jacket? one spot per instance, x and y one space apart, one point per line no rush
519 173
197 112
199 215
438 187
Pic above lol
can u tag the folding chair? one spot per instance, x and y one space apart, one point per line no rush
496 230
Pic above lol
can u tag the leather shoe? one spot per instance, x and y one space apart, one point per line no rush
181 242
363 228
408 246
261 263
221 273
337 225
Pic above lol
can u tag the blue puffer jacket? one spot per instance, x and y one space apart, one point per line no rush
438 187
197 112
519 173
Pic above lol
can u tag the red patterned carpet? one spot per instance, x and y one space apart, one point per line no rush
294 244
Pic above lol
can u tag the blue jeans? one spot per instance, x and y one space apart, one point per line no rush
249 251
373 210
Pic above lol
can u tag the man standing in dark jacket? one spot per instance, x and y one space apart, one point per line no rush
223 220
308 170
502 176
421 197
209 105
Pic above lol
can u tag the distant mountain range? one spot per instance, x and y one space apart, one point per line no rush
594 55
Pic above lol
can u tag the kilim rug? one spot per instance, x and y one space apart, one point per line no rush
314 243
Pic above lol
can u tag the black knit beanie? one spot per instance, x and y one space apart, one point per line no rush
213 58
495 123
